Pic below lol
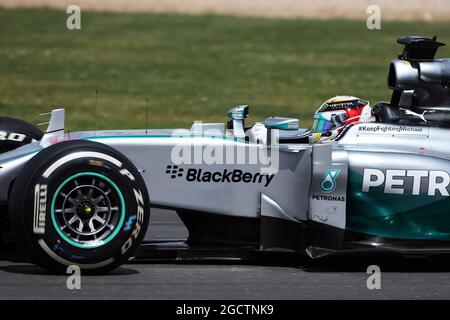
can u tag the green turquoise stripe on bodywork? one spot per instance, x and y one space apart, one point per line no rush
162 136
404 216
131 137
284 125
122 213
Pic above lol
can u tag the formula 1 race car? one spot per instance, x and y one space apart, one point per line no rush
84 198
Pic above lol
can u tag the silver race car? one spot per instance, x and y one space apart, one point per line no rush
84 198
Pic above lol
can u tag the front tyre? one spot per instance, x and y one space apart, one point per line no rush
15 133
79 203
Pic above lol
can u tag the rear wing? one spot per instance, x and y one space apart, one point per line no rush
55 127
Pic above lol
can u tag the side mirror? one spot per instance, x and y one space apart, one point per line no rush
237 116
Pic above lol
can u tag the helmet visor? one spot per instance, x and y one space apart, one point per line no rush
321 124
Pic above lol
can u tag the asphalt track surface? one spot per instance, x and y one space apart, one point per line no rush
343 278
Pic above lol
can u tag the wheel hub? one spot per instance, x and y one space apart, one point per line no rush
85 209
88 209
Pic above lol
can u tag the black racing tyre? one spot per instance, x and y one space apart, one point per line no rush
79 203
15 133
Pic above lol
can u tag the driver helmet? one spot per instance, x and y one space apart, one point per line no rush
336 113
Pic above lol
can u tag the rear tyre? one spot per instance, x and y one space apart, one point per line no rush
15 133
79 203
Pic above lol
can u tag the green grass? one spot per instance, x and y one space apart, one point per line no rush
190 67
